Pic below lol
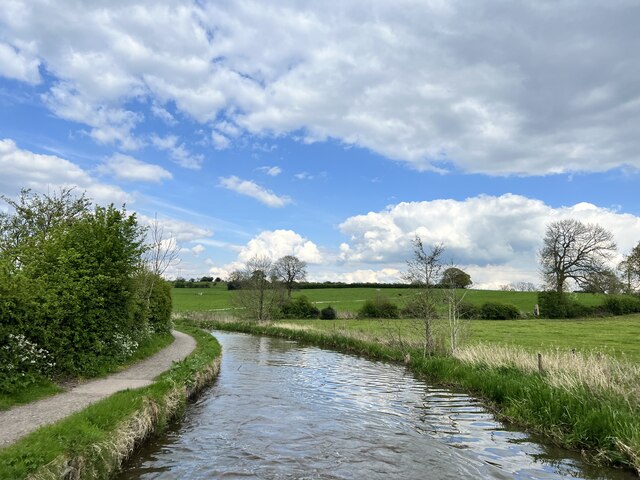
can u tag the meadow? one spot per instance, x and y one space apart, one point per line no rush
218 298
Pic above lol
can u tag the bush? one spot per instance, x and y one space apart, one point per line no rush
379 308
299 307
328 313
560 305
622 305
499 311
159 315
468 310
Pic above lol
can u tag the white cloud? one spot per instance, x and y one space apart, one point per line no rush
177 151
271 171
384 275
498 237
220 142
125 167
434 84
303 176
253 190
163 114
25 169
15 64
198 249
273 244
182 231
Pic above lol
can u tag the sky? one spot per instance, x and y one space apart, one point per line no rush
334 131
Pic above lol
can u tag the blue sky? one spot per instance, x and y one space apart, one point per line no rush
335 132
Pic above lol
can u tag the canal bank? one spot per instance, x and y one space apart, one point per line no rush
93 442
602 426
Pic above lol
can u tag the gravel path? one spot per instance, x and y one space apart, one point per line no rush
21 420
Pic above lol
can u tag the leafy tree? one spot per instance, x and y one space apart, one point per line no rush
290 269
455 278
574 251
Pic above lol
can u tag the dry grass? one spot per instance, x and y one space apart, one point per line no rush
564 369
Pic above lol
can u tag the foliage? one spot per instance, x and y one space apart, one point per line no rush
560 305
469 310
453 277
379 308
22 363
622 305
499 311
72 282
574 251
328 313
299 307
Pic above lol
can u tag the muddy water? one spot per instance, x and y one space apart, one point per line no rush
280 410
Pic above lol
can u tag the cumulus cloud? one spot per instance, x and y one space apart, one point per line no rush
22 168
253 190
498 237
273 244
433 84
177 151
128 168
14 64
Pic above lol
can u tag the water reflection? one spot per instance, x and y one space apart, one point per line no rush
281 410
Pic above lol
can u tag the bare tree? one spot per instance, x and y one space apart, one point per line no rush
453 297
162 252
423 270
574 251
290 269
258 296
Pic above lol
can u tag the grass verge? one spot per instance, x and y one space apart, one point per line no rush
600 422
94 442
45 387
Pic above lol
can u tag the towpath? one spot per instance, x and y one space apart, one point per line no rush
21 420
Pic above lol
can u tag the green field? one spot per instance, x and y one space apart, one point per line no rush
617 336
351 299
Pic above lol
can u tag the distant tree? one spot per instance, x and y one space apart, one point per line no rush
456 278
217 280
290 269
524 287
258 296
574 251
629 270
206 279
605 281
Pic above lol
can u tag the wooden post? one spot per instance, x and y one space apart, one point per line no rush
540 369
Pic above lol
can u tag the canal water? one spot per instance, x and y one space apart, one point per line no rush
281 410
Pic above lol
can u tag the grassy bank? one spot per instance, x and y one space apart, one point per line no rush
579 413
218 298
94 442
44 387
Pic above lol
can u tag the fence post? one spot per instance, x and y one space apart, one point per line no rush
540 369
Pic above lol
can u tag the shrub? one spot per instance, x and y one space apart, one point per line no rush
468 310
622 305
299 307
159 315
328 313
499 311
560 305
379 308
